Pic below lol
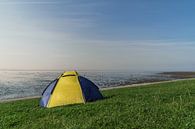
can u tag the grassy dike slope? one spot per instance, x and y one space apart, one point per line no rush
162 106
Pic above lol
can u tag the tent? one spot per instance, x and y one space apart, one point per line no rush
69 88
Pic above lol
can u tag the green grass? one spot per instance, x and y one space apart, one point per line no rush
159 106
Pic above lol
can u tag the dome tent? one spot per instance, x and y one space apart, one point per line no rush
69 88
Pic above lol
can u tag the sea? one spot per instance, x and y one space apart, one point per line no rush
30 83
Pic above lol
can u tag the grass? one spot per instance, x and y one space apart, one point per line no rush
158 106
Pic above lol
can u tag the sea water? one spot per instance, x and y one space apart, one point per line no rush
17 84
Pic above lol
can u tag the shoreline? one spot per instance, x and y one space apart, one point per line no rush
103 89
144 84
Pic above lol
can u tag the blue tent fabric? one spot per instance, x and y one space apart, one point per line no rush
89 89
47 93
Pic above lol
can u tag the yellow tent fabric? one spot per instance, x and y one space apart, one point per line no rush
69 88
67 91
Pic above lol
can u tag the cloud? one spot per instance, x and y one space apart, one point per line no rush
76 34
19 2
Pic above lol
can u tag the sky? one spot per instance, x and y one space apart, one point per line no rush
134 35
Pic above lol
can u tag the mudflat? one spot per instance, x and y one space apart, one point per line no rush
179 75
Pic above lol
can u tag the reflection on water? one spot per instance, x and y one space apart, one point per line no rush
16 84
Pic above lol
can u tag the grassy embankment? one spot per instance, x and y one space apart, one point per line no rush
166 105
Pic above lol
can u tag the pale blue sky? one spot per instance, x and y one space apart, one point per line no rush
90 34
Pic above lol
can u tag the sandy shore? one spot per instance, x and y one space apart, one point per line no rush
144 84
102 89
16 99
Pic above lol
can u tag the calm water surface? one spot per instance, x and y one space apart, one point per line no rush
16 84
